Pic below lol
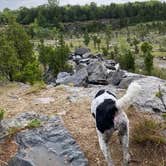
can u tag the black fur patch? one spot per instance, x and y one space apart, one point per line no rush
111 94
105 114
100 92
93 115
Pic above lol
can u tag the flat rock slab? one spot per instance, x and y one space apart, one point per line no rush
49 145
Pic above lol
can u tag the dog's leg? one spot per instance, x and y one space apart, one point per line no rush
124 139
104 146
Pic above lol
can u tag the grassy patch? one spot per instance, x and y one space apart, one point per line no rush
12 131
34 123
159 94
36 88
164 116
148 131
161 73
2 112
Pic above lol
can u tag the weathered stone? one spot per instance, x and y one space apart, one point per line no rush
81 51
110 64
97 73
149 98
79 78
51 144
128 78
116 77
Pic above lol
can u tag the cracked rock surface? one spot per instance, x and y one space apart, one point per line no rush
49 145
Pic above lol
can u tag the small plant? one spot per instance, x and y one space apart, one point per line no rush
2 112
148 131
34 123
12 131
159 94
164 116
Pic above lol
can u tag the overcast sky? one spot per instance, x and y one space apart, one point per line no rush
14 4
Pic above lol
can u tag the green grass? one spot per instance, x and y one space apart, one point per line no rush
159 54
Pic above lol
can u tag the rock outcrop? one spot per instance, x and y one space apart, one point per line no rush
50 144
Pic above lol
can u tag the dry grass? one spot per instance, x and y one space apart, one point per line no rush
149 132
78 120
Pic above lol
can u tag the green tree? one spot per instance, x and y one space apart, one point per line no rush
86 38
108 35
16 54
148 57
98 41
94 38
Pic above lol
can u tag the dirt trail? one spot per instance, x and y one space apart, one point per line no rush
73 105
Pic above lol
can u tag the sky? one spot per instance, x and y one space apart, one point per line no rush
14 4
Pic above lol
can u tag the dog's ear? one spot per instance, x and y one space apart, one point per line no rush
105 114
100 92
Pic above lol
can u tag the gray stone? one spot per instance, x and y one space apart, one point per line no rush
116 77
62 75
110 64
51 144
87 55
128 78
147 100
79 78
97 73
81 51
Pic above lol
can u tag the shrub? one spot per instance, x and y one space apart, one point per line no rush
127 60
148 57
105 51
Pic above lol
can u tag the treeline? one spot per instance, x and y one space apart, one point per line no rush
52 14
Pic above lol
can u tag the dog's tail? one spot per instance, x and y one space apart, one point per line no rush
125 101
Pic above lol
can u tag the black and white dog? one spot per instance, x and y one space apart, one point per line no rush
109 114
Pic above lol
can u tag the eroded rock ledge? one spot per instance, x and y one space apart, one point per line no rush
51 144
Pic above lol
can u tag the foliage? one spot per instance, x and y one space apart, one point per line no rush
53 14
105 51
148 57
159 94
16 55
34 123
161 73
86 38
55 59
125 56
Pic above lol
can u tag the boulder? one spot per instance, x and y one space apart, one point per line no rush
128 78
81 51
116 77
97 73
110 64
87 55
62 77
79 78
48 145
150 99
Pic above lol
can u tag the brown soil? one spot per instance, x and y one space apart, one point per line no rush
78 120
